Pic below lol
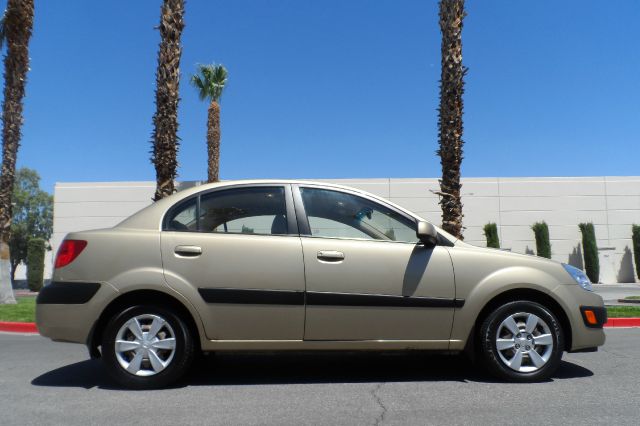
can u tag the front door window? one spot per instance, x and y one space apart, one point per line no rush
340 215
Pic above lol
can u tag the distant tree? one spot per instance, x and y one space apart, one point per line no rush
247 230
35 263
450 111
391 234
635 236
491 233
32 215
590 250
15 29
210 81
165 120
543 245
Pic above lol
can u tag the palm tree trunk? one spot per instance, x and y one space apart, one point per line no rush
450 114
213 142
165 120
18 25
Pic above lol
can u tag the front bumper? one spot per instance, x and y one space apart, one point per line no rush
66 311
573 298
594 316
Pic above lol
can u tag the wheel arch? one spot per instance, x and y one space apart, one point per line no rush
135 297
522 294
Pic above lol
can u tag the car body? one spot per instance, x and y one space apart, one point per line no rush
297 265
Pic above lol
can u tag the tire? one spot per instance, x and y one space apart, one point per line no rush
155 353
521 341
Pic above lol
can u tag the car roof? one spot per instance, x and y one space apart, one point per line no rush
230 183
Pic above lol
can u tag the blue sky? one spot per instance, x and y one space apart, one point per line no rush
337 89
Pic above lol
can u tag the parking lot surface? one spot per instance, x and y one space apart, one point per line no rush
42 382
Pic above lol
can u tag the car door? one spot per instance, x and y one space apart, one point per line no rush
238 253
367 276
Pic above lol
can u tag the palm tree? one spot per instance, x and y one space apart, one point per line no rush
16 28
165 119
210 81
450 114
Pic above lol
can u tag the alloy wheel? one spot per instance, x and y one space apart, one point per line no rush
524 342
145 345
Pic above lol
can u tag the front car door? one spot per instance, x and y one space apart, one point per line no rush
367 276
237 252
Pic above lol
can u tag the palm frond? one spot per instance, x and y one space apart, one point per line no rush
210 81
197 82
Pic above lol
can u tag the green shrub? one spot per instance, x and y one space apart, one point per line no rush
543 245
590 251
35 263
635 236
491 232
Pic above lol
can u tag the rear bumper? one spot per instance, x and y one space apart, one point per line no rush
67 293
66 311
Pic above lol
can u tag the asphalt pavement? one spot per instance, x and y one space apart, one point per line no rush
43 383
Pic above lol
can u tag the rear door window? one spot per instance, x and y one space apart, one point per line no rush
259 211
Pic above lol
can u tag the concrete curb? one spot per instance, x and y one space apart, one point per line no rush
18 327
30 327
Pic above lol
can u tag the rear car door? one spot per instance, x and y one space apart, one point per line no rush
238 253
367 276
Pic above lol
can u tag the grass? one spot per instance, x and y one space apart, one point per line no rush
632 298
623 311
24 311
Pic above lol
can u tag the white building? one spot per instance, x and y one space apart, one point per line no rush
611 203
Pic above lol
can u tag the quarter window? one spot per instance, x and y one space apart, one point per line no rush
341 215
184 217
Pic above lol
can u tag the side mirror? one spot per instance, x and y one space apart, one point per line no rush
426 233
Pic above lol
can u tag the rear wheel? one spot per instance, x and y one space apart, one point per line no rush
521 341
147 347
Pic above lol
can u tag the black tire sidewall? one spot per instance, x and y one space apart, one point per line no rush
182 357
489 350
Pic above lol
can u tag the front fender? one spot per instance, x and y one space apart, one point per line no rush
479 295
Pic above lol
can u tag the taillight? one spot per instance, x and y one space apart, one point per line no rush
68 251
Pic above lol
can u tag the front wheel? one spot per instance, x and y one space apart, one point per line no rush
146 347
521 341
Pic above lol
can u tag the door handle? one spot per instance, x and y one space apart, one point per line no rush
330 256
188 251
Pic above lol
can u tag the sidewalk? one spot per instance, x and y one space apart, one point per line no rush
612 292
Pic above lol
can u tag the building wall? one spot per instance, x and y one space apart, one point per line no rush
611 203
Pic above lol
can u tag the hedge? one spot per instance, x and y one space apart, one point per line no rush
590 252
491 232
35 263
635 236
543 245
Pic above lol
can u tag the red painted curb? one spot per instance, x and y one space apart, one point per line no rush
623 322
18 327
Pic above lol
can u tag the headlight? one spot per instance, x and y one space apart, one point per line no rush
578 276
